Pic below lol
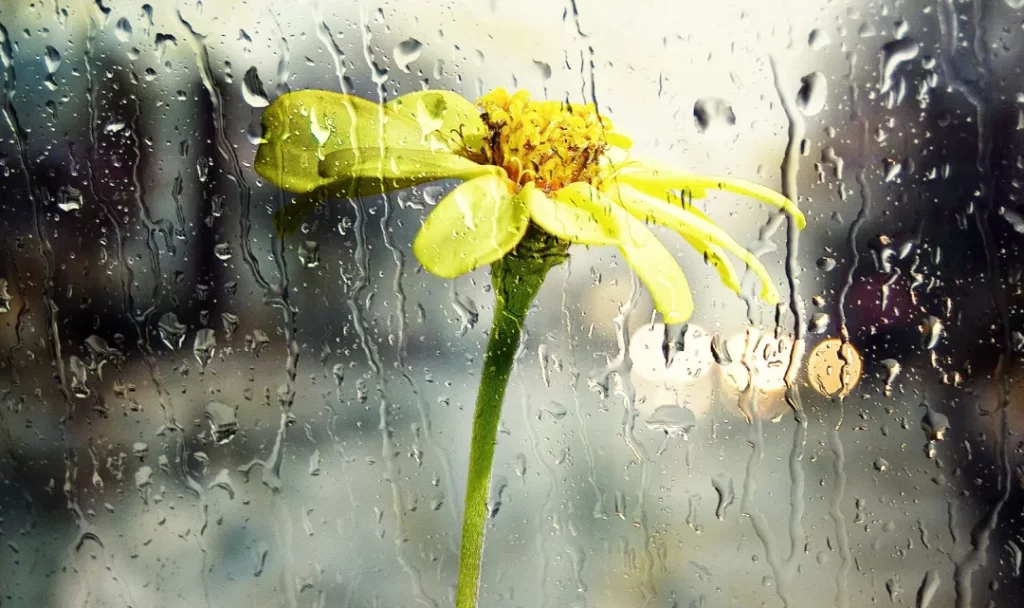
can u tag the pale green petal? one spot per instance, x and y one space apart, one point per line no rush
577 213
301 128
656 182
659 272
693 227
476 224
356 172
446 118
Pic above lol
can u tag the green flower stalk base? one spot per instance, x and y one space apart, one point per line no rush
516 278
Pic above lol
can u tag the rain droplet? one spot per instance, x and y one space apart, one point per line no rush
223 419
934 424
69 198
140 450
172 332
204 346
826 263
230 323
818 39
892 370
123 30
929 588
314 463
726 494
1016 220
143 477
161 44
544 69
819 322
881 465
79 378
894 54
5 297
931 332
222 251
714 117
812 94
257 341
52 59
406 52
309 254
252 89
674 420
500 484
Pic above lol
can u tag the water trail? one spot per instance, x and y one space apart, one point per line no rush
974 92
546 512
573 344
621 369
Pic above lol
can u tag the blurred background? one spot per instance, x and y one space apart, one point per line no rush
194 412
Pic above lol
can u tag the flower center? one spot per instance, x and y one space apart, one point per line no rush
550 143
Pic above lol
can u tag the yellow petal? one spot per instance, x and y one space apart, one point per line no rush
657 182
578 213
618 140
693 227
356 172
476 224
301 128
659 272
447 118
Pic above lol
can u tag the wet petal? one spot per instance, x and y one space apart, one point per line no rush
659 272
694 228
476 224
577 213
301 128
448 118
656 182
356 172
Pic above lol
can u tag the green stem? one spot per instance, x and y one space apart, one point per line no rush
516 279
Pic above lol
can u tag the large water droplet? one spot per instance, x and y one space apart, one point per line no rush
812 94
172 332
252 89
52 59
69 198
223 419
123 30
894 54
674 420
79 378
818 39
934 424
406 52
5 297
714 117
204 346
309 254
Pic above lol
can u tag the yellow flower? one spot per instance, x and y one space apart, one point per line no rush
559 166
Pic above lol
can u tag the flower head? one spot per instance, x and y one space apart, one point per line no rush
558 166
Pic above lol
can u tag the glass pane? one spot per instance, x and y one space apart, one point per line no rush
218 392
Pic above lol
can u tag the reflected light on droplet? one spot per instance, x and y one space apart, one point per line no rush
766 356
834 368
688 365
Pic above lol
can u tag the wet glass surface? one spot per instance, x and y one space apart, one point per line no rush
195 411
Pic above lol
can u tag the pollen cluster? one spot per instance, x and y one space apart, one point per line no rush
549 143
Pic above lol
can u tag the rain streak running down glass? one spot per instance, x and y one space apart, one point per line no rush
232 380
